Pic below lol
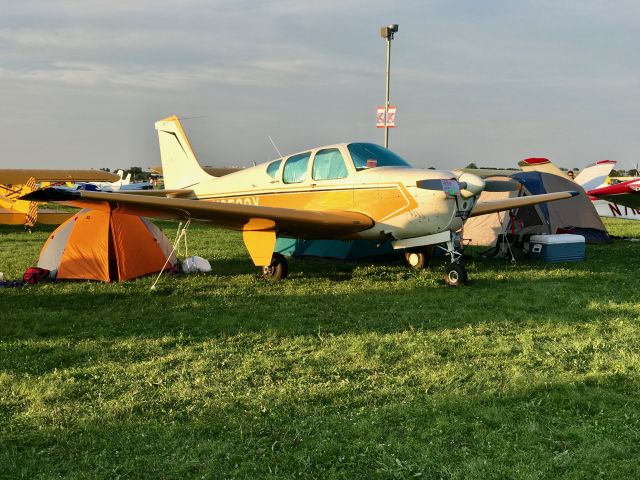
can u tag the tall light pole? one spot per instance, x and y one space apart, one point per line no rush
387 33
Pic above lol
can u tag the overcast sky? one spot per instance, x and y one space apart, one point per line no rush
489 82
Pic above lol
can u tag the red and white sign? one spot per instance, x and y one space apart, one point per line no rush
391 120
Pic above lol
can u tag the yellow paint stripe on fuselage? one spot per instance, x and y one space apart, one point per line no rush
380 202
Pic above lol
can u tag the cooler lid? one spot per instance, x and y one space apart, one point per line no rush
559 238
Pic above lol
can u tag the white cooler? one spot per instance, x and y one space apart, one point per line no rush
557 248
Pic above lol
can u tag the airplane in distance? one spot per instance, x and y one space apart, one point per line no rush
343 191
123 184
15 183
620 200
106 186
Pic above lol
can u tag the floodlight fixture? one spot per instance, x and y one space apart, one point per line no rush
388 31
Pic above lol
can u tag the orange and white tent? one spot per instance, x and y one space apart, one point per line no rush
103 244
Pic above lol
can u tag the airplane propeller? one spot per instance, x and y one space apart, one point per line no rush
473 185
502 186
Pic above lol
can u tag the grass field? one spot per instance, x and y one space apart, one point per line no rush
348 371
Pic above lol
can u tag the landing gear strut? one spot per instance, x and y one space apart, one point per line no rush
455 274
277 270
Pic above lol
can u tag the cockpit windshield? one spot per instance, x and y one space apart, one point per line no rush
370 155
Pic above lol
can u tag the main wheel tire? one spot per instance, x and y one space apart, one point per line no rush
418 258
277 270
456 275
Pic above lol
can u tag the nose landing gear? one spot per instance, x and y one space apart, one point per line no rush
455 274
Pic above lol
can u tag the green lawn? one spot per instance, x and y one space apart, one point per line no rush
350 371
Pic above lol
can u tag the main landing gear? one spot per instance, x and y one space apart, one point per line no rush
419 257
277 270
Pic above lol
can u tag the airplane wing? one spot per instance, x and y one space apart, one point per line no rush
482 208
232 216
14 176
625 193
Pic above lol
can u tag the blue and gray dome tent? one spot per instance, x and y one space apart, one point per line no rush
575 215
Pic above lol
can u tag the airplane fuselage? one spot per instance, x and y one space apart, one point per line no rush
388 195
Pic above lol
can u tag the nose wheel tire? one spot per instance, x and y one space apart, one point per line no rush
455 275
277 270
418 258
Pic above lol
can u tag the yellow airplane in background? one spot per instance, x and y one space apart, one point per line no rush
15 183
343 191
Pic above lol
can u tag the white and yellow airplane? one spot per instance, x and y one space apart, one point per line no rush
15 183
343 191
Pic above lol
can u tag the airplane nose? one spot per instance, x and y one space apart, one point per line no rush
470 185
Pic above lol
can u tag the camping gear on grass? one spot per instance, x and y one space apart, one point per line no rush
105 245
574 215
196 264
34 275
557 248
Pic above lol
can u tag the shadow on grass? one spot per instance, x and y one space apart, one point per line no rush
339 301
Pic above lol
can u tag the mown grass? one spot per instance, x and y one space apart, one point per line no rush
342 371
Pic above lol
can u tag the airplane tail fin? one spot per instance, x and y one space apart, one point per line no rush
543 165
9 200
595 174
127 179
180 167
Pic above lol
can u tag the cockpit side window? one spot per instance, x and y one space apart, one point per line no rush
272 168
328 164
295 168
370 155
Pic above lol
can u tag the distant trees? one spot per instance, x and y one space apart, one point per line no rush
471 165
138 174
624 173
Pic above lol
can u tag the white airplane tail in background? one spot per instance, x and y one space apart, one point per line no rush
118 182
595 174
180 167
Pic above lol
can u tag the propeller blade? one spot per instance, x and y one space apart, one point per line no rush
435 184
502 186
452 187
